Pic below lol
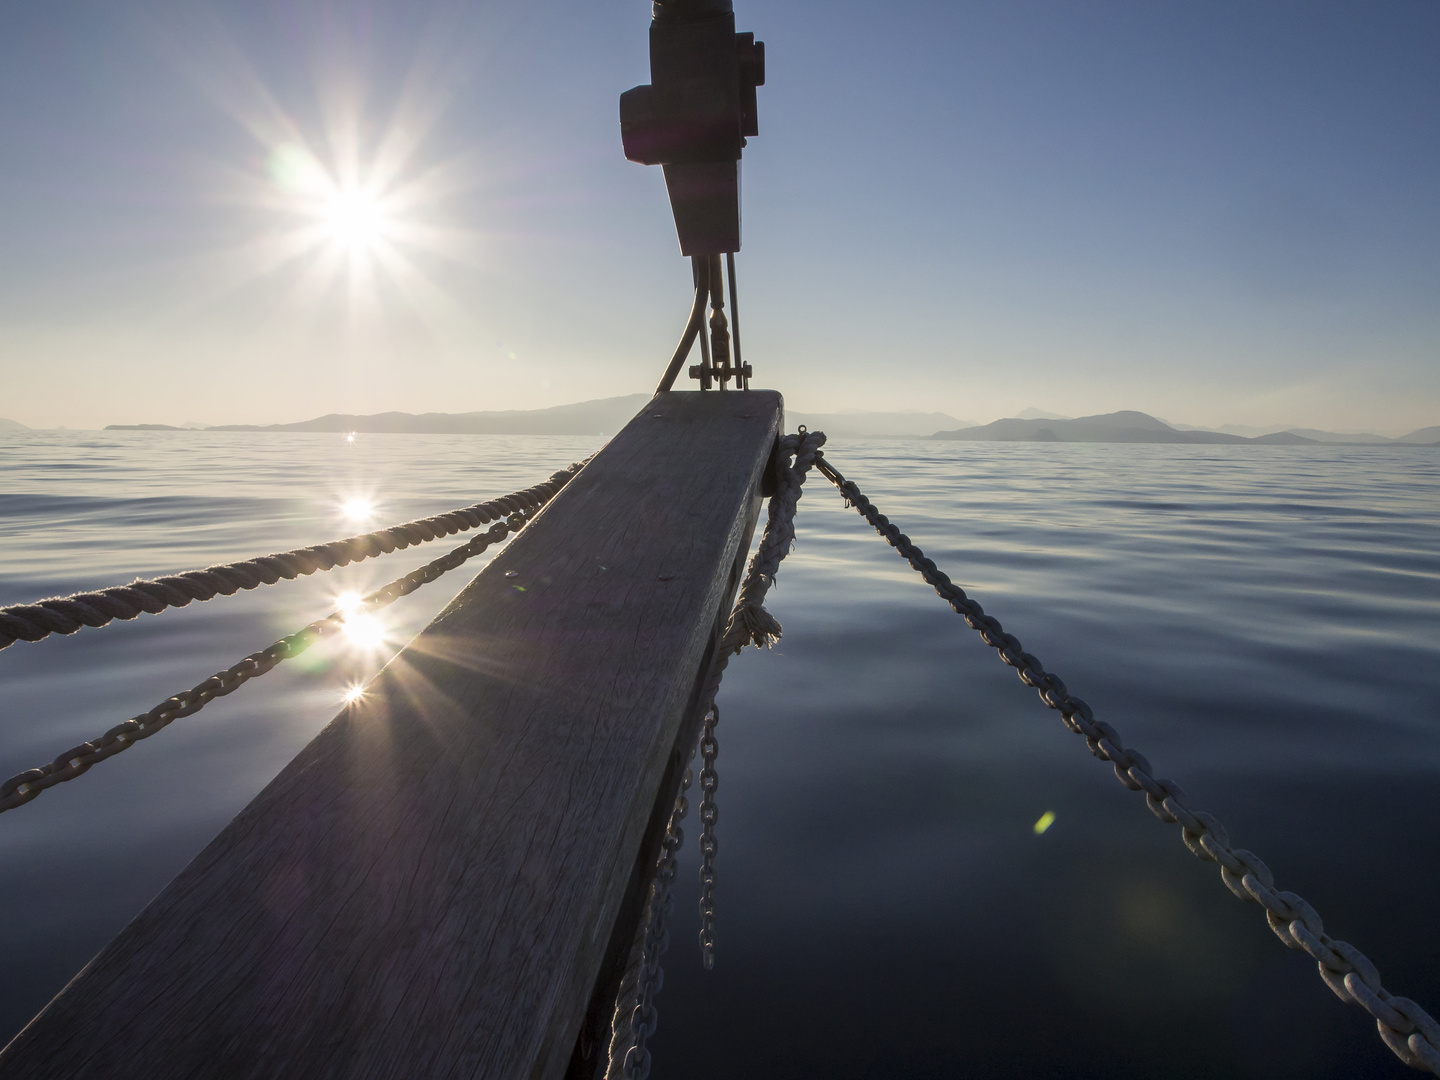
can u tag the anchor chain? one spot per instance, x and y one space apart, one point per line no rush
1407 1029
25 786
69 614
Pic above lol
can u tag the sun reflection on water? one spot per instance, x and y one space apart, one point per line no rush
358 509
364 630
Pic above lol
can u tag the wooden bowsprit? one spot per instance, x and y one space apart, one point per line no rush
447 880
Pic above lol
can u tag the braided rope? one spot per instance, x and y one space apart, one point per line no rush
749 624
1407 1029
23 787
69 614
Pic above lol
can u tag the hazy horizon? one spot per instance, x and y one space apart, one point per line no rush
256 213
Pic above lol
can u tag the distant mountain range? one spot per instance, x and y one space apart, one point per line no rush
1425 436
608 415
1137 427
601 417
12 425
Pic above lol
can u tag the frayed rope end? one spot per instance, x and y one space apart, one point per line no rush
751 624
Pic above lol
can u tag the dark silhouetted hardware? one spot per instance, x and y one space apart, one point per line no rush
694 116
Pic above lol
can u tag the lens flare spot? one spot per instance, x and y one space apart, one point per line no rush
348 603
1046 820
295 169
350 436
353 693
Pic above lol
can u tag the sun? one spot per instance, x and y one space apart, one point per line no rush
355 219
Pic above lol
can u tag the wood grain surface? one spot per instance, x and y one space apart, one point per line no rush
430 888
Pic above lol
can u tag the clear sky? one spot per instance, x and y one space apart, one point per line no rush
1219 212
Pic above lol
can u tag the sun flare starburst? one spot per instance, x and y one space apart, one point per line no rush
346 207
349 198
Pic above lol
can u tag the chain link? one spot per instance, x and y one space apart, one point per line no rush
1408 1030
643 1018
709 845
23 787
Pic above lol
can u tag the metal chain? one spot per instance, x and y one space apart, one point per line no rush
709 845
23 787
749 624
1407 1029
651 977
69 614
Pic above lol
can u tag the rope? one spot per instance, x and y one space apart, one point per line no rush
1407 1029
23 787
749 624
68 614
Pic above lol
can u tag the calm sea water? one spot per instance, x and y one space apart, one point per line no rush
1262 622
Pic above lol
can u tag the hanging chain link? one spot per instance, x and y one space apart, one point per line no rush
657 939
709 844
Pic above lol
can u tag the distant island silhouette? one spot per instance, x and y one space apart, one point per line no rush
1129 426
